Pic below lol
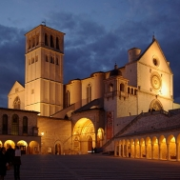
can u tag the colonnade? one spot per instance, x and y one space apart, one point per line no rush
163 147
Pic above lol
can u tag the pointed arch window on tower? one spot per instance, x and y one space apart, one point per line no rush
88 91
5 124
52 60
25 125
17 103
46 39
29 44
15 125
67 99
33 44
57 43
122 87
51 41
57 61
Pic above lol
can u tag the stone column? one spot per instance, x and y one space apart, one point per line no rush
115 149
152 151
134 150
146 151
119 149
127 153
177 151
168 152
140 150
160 152
123 150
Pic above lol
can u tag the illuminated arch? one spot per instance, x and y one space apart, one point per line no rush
83 130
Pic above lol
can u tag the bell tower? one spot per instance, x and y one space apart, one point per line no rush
44 70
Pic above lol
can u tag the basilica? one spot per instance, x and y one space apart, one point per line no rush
129 110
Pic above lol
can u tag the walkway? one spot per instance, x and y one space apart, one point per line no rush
94 167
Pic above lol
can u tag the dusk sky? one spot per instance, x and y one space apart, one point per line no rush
98 34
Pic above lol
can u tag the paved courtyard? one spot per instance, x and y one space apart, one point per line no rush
94 167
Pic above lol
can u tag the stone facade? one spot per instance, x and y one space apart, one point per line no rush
96 111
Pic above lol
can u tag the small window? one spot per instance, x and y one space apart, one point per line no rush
25 125
15 125
36 58
32 91
51 41
33 42
122 87
16 90
32 61
88 91
57 43
128 90
46 40
132 91
52 60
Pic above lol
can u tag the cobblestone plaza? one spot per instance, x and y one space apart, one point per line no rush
93 167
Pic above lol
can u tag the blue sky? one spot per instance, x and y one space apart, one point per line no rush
98 34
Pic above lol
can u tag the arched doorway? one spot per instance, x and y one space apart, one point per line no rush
155 105
83 136
23 146
100 137
33 147
58 148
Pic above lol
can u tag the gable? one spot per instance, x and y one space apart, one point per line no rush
154 58
17 87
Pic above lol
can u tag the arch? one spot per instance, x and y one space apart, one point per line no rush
9 143
137 148
22 146
100 137
83 130
17 103
15 125
171 141
88 93
57 148
25 125
143 148
155 148
33 147
163 147
122 87
4 124
148 148
155 105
